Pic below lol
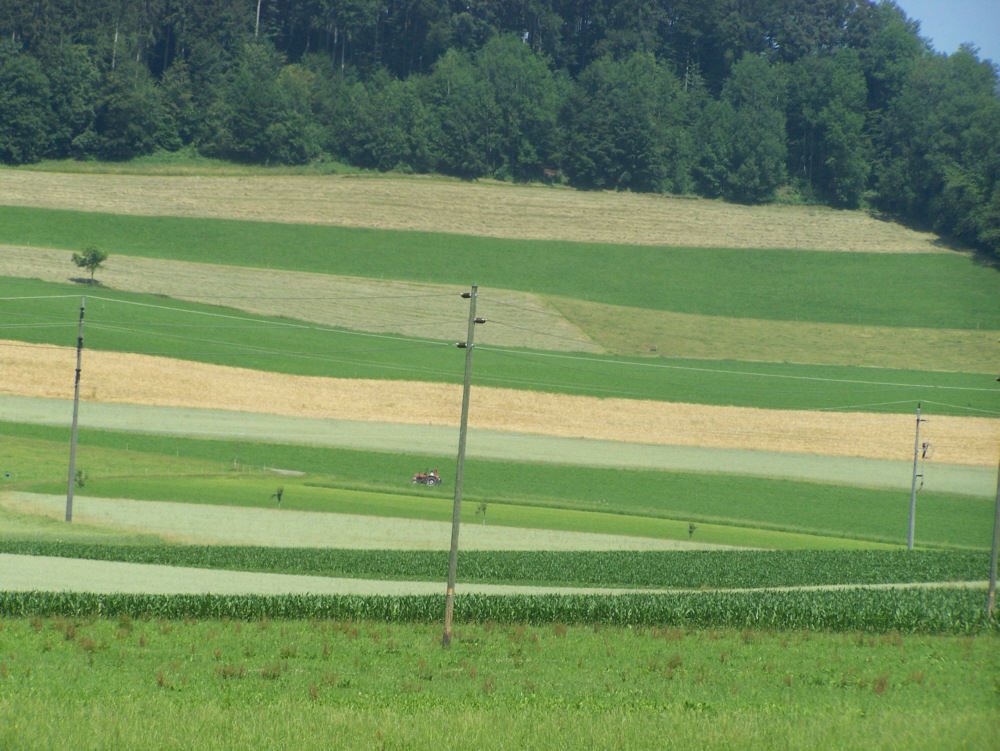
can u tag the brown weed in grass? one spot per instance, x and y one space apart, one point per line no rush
231 671
273 672
893 638
87 644
880 684
314 692
668 634
424 672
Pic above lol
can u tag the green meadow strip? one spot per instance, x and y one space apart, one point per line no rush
595 499
870 288
694 569
946 611
146 324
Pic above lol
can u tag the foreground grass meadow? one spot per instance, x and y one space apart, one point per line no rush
218 684
833 636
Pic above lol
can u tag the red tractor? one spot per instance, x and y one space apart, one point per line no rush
427 478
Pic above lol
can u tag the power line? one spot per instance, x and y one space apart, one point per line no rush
33 325
270 324
970 409
722 371
538 310
547 334
40 297
860 406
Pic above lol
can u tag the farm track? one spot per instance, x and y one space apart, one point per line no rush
51 574
119 378
489 209
208 524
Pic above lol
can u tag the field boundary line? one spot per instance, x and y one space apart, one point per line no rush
24 573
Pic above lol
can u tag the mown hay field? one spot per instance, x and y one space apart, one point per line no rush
483 208
562 324
427 310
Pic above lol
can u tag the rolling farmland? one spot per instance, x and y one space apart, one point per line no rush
659 383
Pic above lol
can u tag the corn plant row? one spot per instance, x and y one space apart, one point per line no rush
932 610
632 569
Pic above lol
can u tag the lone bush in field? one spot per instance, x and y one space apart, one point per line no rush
90 259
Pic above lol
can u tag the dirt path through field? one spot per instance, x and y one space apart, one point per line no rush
488 209
208 524
45 372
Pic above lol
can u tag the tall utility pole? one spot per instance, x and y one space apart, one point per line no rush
467 345
913 486
76 412
993 558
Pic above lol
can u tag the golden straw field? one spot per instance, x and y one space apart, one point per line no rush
40 371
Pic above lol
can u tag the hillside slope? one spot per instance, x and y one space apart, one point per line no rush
482 208
519 319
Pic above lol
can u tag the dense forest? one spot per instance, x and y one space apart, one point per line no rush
834 101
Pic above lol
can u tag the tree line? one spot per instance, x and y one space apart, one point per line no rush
836 101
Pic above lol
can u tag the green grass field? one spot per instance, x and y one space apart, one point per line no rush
146 324
929 291
732 509
215 684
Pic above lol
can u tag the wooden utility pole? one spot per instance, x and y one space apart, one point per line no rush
76 412
467 345
913 486
993 559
